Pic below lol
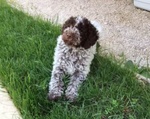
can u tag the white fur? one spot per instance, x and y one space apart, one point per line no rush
73 61
79 19
97 26
77 54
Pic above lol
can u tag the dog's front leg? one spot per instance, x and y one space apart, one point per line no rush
56 84
72 90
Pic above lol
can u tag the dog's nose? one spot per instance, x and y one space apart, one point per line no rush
67 36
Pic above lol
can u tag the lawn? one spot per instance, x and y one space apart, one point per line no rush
26 55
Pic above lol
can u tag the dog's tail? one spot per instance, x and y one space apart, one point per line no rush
97 26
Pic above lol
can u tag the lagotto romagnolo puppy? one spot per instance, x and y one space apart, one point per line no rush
73 55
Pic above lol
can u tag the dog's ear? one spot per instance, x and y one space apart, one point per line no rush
89 34
70 22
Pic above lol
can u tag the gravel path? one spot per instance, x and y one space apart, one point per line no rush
126 29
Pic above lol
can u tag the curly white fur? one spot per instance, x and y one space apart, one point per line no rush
73 61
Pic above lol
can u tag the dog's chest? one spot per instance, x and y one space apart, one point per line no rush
74 60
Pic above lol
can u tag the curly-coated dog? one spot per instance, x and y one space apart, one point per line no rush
73 55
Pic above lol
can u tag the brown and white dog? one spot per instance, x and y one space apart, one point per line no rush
73 55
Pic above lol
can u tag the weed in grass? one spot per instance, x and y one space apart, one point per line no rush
26 56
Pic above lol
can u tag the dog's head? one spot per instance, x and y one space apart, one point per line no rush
79 32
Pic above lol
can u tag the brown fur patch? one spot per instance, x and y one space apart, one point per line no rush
70 22
88 33
68 38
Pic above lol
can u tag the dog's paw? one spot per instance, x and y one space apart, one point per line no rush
71 98
54 96
71 95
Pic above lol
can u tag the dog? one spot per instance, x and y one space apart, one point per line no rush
73 55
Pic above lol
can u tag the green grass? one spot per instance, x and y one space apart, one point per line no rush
26 56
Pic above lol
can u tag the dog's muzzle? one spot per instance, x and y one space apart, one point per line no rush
71 36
